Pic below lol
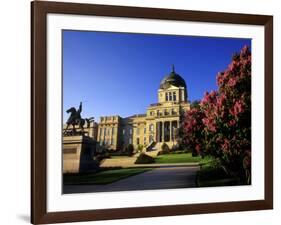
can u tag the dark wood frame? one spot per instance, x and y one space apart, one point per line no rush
39 11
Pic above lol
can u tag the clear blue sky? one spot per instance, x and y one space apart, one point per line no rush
120 73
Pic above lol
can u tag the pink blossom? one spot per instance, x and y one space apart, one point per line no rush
221 100
237 108
198 148
232 123
232 82
220 79
210 124
225 146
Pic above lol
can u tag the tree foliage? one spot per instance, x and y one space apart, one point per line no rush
221 125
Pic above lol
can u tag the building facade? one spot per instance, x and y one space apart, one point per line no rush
157 126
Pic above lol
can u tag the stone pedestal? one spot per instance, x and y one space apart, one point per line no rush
78 153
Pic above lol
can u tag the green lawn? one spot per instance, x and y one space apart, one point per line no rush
177 158
102 177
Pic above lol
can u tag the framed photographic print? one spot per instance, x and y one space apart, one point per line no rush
144 112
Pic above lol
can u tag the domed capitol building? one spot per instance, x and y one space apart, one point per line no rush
157 126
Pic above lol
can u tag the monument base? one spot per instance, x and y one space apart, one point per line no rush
78 153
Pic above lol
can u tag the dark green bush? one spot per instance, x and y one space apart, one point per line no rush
129 150
175 148
144 159
165 148
140 148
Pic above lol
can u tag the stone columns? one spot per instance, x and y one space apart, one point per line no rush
163 131
174 127
171 128
167 128
158 131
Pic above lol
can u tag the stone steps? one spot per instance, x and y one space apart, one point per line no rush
155 150
119 162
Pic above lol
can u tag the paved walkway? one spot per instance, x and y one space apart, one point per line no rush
158 178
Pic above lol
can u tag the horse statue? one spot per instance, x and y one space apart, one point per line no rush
76 119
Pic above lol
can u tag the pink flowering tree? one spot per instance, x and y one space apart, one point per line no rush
192 131
223 119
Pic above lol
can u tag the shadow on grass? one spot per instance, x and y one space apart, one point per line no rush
209 176
102 177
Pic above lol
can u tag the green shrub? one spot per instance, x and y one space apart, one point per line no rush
140 148
129 150
165 148
175 148
144 159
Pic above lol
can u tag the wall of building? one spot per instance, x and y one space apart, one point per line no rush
108 132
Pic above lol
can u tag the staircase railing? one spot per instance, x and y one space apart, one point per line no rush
150 146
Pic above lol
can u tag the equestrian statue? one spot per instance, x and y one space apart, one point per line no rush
75 119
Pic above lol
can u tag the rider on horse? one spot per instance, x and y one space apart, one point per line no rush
76 115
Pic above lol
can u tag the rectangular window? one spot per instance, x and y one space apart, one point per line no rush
124 131
144 140
131 131
174 96
144 130
170 96
151 127
167 97
130 140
